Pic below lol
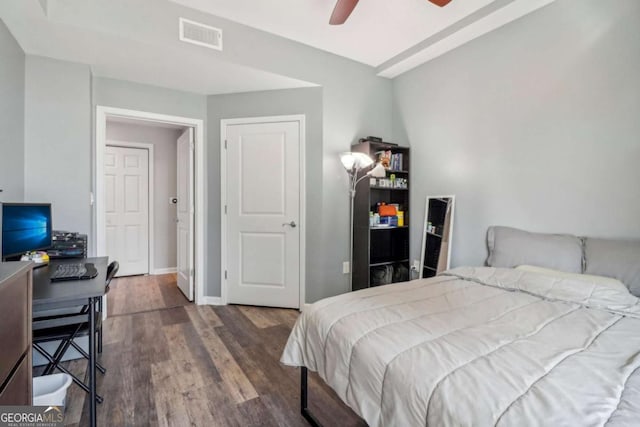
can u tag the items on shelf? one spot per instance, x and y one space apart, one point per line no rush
389 221
387 210
389 182
377 140
68 244
38 257
382 275
386 215
390 160
391 273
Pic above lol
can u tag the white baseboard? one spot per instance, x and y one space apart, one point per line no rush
167 270
212 301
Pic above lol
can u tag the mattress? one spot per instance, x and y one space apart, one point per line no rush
478 346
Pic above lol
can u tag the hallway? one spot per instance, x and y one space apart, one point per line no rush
137 294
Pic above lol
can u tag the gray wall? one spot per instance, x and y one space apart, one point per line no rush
273 103
57 140
358 110
12 64
154 99
164 141
534 125
355 102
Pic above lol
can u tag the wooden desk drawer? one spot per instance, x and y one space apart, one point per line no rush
19 389
15 322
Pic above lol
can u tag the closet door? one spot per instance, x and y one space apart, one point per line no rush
127 208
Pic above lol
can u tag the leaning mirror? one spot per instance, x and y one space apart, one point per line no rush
436 236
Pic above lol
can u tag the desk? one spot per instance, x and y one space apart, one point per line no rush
48 295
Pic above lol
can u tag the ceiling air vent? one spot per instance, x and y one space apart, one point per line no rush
200 34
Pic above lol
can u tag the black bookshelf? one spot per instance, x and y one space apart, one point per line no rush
378 248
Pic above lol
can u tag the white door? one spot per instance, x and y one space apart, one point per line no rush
127 208
185 213
263 211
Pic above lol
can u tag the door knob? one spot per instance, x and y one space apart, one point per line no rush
291 224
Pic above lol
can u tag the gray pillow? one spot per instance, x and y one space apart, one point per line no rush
615 258
510 247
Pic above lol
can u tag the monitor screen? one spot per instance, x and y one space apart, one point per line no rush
25 227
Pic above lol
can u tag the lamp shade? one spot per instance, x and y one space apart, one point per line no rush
356 161
378 171
348 160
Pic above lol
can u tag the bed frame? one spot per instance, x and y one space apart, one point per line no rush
304 407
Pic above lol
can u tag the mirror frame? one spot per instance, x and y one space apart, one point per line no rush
424 233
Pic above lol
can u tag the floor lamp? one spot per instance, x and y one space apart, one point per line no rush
354 163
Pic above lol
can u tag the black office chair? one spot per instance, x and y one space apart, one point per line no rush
112 270
66 328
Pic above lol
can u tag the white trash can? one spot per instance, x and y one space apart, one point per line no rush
51 390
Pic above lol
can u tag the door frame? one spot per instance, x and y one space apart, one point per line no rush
99 220
150 194
300 118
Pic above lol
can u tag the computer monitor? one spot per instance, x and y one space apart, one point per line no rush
25 227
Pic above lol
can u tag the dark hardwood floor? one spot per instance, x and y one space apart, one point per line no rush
201 366
135 294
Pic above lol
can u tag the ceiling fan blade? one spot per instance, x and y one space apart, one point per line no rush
440 3
341 11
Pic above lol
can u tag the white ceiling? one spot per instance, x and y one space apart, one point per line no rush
377 31
110 55
136 40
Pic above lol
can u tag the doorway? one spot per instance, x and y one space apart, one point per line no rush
187 269
263 199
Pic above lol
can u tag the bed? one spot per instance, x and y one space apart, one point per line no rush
478 346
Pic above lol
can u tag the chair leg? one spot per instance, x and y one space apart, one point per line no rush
86 356
57 357
62 349
100 340
76 380
51 366
100 329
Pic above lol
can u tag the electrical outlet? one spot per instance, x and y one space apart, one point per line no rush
345 267
416 265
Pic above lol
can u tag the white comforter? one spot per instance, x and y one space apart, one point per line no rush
478 346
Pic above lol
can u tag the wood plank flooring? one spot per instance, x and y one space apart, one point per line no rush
201 366
135 294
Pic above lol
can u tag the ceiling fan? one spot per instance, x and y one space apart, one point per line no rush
343 9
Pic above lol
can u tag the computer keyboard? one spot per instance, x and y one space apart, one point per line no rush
73 271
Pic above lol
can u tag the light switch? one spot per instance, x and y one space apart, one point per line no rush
345 267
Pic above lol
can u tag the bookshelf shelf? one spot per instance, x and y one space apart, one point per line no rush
391 227
372 187
380 264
